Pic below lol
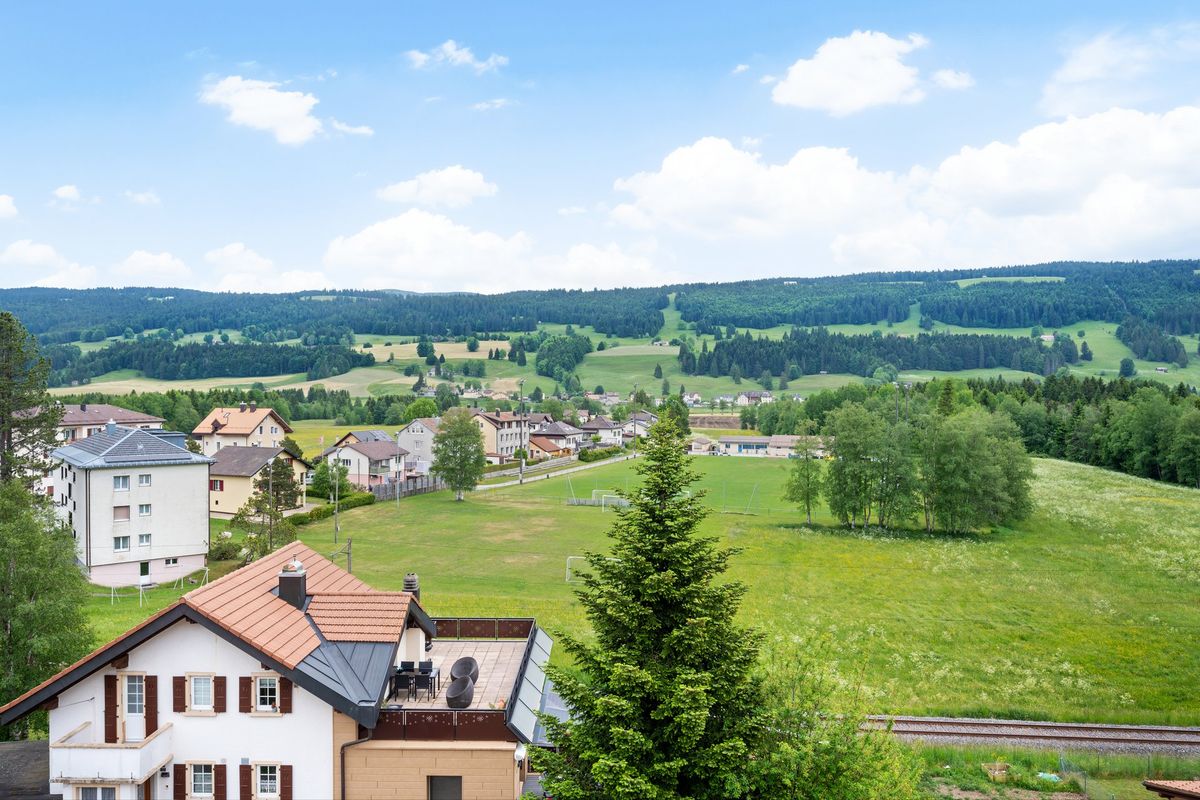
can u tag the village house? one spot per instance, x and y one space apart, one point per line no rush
504 433
743 445
603 427
754 398
136 502
369 463
565 436
638 423
692 399
702 446
244 426
234 470
541 448
291 679
82 420
417 439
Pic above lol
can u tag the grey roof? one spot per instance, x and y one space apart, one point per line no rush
372 436
100 413
349 669
643 416
558 429
745 440
125 447
245 461
599 423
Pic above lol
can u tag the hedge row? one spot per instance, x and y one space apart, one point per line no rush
326 511
587 456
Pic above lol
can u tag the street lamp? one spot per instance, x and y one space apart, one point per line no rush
336 475
399 471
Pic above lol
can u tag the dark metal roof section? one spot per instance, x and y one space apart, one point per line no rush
117 446
528 692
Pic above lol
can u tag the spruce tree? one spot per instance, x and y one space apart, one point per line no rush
28 415
665 702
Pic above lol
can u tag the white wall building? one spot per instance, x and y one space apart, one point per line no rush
417 438
137 504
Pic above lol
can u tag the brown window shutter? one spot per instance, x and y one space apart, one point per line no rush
151 704
220 792
179 694
285 782
180 789
245 782
244 687
219 694
110 708
285 696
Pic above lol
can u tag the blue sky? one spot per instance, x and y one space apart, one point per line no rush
491 146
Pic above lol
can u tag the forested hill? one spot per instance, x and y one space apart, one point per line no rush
1166 293
63 315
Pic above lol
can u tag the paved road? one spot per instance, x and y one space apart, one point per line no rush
567 471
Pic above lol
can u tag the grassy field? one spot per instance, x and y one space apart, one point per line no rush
1086 611
965 282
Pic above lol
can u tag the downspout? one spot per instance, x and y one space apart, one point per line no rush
342 756
87 522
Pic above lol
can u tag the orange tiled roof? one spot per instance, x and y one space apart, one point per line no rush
1174 788
358 617
236 422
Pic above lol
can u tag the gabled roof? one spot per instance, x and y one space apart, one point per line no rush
599 423
244 462
372 436
125 447
1174 789
100 413
559 429
745 440
237 421
244 609
430 423
544 444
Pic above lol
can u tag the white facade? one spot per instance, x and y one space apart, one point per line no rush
136 524
269 434
362 471
301 738
417 439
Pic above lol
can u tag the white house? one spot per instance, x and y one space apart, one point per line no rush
83 419
417 438
754 398
608 431
370 463
279 682
638 423
244 426
692 399
137 504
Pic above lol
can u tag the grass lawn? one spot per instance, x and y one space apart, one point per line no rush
1086 611
965 282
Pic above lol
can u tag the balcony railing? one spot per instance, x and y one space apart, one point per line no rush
75 756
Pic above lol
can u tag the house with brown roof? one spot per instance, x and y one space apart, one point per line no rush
234 470
83 419
504 433
244 426
1174 790
369 463
542 448
288 679
610 432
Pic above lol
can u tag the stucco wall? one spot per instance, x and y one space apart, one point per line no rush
399 770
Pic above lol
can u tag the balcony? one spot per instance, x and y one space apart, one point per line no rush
75 757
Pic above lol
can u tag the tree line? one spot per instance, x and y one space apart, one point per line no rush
157 358
1150 342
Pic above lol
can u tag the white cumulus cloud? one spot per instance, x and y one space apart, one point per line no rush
493 104
146 198
143 268
29 263
851 73
451 53
452 187
264 106
8 207
352 130
953 79
739 69
241 269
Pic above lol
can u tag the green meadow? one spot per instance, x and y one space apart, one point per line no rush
1086 611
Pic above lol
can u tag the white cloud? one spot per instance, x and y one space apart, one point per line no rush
453 54
353 130
493 104
143 268
953 79
424 251
1122 69
452 187
8 208
29 263
739 69
767 80
751 142
571 211
69 193
1117 185
241 269
146 198
853 73
263 106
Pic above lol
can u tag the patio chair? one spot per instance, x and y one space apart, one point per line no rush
460 692
402 682
426 667
465 666
423 682
408 666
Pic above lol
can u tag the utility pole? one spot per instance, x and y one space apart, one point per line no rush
336 475
399 472
271 504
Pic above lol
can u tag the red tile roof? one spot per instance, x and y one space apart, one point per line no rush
237 421
1174 789
358 617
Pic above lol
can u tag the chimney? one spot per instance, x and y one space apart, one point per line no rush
413 584
254 405
110 427
82 407
242 406
293 584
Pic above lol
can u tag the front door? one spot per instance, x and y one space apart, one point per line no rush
144 572
133 707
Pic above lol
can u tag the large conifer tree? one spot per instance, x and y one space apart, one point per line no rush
665 702
28 415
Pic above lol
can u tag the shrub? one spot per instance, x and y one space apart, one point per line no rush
326 511
223 550
588 456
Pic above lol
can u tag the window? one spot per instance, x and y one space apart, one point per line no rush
97 793
170 562
135 694
202 780
267 694
120 513
143 540
144 479
143 509
120 543
260 429
445 787
268 780
120 483
216 485
202 693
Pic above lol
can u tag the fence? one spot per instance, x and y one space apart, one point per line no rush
422 484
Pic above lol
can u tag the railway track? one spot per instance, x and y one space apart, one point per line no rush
1057 735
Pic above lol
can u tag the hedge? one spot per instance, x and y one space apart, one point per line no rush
326 511
587 456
